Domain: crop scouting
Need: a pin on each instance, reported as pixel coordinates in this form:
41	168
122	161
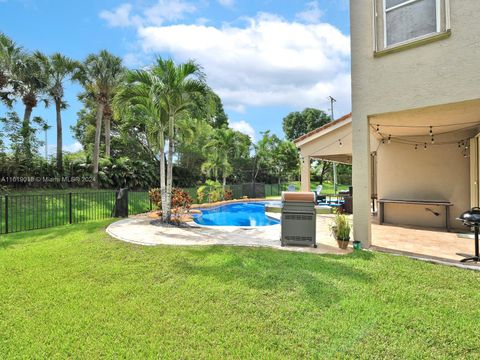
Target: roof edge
321	128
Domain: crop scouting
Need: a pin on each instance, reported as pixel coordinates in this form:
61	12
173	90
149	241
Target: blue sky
264	58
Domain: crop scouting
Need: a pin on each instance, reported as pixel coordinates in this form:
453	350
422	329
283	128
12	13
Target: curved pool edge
274	216
270	216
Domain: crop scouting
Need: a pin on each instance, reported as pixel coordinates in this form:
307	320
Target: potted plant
341	230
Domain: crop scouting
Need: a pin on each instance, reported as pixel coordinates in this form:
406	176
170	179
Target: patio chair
319	198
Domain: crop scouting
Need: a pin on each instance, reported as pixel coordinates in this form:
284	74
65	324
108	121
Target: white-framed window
406	20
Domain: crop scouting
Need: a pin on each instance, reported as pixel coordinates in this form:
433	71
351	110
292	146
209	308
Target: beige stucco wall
441	72
438	173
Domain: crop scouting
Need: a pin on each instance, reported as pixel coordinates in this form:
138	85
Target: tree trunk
96	148
26	132
107	119
163	191
224	183
167	213
59	137
325	168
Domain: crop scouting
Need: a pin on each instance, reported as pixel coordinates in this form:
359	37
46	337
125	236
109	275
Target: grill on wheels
298	218
471	219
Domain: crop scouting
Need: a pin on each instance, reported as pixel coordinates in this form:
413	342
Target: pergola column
305	172
361	179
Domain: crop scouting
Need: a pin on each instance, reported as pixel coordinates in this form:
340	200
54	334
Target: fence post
126	201
6	214
70	212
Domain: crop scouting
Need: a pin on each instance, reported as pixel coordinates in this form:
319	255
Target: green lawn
73	292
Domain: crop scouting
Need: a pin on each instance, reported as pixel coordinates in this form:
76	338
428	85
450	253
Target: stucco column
305	173
361	179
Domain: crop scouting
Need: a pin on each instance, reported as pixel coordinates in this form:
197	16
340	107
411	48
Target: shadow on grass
55	233
317	276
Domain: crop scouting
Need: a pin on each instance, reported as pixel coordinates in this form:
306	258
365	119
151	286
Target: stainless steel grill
298	218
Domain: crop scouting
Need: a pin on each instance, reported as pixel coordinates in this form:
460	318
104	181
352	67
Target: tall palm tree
141	97
222	147
100	74
57	67
10	56
31	83
180	83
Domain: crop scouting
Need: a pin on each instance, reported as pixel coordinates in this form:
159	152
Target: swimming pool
236	214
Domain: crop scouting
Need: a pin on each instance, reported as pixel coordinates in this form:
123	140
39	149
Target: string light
340	142
431	131
433	140
416	147
425	146
378	129
389	139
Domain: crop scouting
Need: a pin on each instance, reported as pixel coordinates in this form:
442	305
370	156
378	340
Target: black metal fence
38	211
23	212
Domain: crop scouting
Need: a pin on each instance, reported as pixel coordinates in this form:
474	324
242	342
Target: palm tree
57	67
222	147
31	82
100	75
45	128
179	85
10	55
141	97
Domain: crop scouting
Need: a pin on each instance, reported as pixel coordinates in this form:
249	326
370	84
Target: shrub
228	195
181	203
181	199
156	198
341	227
211	191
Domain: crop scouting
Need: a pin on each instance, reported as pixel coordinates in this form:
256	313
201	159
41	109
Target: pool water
236	214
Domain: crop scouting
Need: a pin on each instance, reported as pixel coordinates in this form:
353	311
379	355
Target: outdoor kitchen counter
446	204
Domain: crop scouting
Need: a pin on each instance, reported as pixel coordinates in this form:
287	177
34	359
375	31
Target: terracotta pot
342	244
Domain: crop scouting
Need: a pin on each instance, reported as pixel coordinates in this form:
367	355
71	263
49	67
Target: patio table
446	204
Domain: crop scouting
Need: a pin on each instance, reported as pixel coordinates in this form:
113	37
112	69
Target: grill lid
308	197
472	216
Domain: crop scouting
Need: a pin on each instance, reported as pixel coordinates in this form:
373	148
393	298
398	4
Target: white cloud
52	148
243	127
76	146
269	62
226	3
162	11
120	17
311	14
168	10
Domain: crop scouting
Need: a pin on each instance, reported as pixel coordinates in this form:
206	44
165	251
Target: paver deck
145	231
429	244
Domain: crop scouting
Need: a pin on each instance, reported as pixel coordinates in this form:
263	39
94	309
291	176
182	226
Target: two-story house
413	132
416	89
